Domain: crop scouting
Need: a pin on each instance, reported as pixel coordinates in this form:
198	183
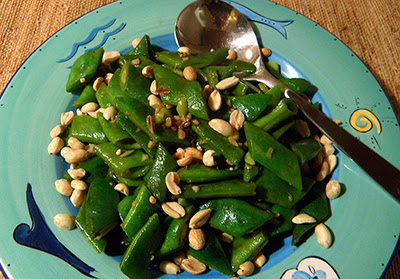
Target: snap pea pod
318	207
306	149
212	76
132	182
179	88
273	189
114	89
142	49
136	259
286	108
201	60
103	97
285	220
84	69
87	129
175	233
229	67
116	135
251	105
126	166
133	82
164	163
138	135
240	89
99	214
139	213
267	151
125	205
218	142
137	112
236	217
246	247
88	95
219	189
275	93
94	167
201	174
281	131
213	255
250	172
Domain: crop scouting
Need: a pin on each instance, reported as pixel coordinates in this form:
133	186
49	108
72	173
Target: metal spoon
213	24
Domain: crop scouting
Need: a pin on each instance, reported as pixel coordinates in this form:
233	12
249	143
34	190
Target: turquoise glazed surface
365	219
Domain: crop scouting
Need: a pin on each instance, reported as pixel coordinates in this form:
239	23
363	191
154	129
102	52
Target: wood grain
368	27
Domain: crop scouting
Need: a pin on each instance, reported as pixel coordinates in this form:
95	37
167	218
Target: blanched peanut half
226	237
236	119
64	221
111	56
194	153
328	149
63	187
89	107
190	73
108	77
232	54
302	128
332	189
208	158
185	161
266	52
184	51
172	180
215	101
227	83
74	143
77	197
154	101
324	236
75	155
122	188
148	71
179	256
246	269
193	266
200	218
153	87
259	260
303	218
67	117
97	83
323	172
136	42
197	239
55	145
56	131
222	127
78	184
168	267
325	140
77	173
110	113
173	209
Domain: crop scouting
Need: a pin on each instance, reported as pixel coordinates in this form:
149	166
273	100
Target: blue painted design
253	16
90	38
106	36
40	237
319	274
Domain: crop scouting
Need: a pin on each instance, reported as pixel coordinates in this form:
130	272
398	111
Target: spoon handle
373	164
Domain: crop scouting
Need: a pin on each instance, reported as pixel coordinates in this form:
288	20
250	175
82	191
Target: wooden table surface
368	27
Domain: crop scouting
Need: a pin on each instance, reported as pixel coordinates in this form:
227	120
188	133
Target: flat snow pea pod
122	165
250	172
240	89
246	247
270	153
305	149
175	233
114	88
142	49
219	189
132	182
276	95
138	135
285	109
201	60
133	82
115	134
99	214
212	76
251	105
285	219
95	168
103	97
298	85
136	259
201	174
236	217
137	112
87	129
125	205
84	69
140	211
88	95
179	88
273	189
231	66
218	142
213	255
163	164
318	207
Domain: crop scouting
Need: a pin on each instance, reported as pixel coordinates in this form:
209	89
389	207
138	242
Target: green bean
201	174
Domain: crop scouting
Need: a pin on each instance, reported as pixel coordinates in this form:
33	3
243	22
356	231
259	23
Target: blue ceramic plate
365	219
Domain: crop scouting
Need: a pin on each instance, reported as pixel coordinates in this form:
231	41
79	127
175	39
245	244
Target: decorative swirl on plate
40	237
106	36
363	120
253	16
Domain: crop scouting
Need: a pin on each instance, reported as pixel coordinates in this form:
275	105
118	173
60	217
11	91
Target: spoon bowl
211	24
